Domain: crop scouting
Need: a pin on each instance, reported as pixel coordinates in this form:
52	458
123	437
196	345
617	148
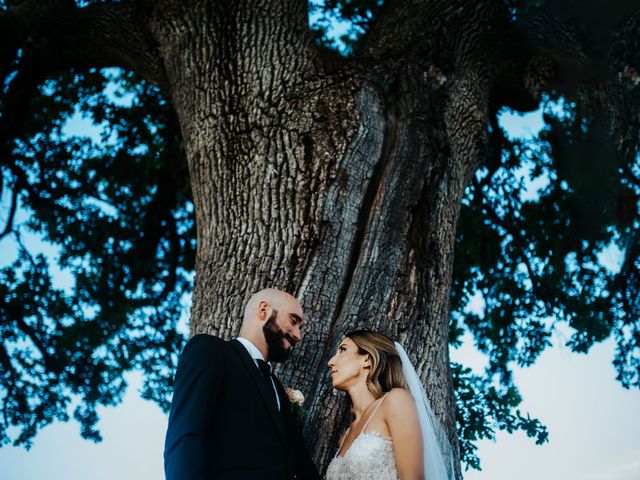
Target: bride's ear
367	362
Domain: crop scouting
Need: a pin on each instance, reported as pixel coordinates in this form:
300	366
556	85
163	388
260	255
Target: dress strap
373	413
346	434
342	440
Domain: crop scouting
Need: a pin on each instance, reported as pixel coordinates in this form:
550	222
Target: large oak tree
349	180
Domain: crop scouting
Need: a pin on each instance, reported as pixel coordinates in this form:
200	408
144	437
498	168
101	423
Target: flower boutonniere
297	401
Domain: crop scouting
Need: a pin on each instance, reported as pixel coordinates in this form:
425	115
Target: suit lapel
261	386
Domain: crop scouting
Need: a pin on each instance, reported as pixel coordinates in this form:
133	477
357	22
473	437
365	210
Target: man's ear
264	310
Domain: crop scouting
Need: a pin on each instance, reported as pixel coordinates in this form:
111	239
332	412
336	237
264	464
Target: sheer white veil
438	455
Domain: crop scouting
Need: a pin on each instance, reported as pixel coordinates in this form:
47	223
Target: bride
394	434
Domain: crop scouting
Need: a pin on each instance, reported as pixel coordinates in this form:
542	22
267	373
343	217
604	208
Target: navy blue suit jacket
223	422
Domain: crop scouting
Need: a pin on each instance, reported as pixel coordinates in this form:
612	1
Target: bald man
230	416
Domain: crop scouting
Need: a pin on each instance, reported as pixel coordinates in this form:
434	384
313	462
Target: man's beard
274	336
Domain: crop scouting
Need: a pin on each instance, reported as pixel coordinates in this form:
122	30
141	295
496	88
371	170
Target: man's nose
295	333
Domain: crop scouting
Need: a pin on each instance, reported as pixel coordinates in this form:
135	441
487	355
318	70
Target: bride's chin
341	387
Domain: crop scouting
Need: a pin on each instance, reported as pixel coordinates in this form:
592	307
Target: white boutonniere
297	401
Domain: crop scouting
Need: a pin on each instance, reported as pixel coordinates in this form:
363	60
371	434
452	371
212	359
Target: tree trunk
340	184
337	180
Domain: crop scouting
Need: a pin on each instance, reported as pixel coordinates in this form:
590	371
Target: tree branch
14	312
628	271
159	209
51	362
460	44
12	212
5	360
60	36
558	46
569	43
15	106
10	385
535	280
12	34
173	254
464	31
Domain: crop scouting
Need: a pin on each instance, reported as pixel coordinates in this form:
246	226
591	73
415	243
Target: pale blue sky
593	422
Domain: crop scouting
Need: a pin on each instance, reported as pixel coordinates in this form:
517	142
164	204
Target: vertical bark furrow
388	144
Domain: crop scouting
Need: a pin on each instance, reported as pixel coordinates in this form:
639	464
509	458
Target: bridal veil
438	454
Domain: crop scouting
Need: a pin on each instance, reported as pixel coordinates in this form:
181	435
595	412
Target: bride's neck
361	399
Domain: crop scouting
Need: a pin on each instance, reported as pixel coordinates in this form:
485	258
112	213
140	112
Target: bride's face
348	367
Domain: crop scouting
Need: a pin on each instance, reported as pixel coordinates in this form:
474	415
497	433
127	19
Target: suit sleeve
196	389
305	468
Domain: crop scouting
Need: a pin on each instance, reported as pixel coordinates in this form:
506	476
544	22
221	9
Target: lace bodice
370	457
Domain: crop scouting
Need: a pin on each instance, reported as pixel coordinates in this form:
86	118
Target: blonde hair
386	367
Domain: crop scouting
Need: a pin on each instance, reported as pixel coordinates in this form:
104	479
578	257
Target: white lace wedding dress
370	457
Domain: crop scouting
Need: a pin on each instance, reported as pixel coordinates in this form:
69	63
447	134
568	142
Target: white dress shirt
256	354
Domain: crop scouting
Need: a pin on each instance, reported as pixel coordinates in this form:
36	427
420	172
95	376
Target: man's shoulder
205	338
203	343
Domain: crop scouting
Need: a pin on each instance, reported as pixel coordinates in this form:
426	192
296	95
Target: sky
593	423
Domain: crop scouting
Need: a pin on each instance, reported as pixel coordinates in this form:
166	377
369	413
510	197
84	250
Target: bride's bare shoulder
400	414
398	400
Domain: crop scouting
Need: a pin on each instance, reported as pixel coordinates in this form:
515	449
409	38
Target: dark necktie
265	369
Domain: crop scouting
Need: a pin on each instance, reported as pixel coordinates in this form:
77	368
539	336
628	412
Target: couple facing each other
232	419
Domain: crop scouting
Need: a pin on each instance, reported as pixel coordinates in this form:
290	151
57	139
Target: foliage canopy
119	212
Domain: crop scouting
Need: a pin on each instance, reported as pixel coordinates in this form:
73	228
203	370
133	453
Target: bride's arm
402	419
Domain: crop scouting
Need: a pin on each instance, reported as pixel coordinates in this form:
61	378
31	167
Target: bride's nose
330	363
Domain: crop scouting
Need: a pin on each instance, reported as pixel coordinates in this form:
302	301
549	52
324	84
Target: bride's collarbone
379	426
376	426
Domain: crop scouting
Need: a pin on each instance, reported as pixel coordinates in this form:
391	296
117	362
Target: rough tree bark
338	180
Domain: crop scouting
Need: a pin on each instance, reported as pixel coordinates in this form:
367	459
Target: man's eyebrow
296	316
